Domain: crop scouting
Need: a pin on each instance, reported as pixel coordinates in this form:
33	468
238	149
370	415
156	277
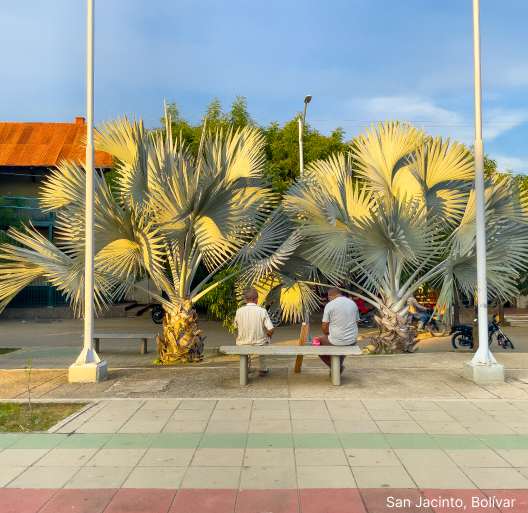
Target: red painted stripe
380	500
204	501
79	501
18	500
268	501
455	501
519	498
340	500
131	500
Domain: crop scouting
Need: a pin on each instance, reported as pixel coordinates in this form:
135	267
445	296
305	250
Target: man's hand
326	328
270	333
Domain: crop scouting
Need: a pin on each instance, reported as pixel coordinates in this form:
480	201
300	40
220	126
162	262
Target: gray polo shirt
342	314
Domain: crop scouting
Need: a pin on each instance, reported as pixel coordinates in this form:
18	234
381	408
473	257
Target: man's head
251	296
333	293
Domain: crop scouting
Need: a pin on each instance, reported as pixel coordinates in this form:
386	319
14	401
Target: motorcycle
157	313
366	317
434	325
463	335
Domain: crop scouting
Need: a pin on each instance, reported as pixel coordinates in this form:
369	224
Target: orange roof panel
45	145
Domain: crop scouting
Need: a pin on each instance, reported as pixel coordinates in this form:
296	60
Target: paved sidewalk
274	456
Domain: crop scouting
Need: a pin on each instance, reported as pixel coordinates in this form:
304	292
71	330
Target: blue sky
362	61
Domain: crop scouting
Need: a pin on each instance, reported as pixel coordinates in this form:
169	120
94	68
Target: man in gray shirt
340	323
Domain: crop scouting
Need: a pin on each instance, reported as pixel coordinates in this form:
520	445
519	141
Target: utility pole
88	367
307	100
483	368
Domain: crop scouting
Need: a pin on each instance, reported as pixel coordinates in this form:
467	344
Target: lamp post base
88	372
484	374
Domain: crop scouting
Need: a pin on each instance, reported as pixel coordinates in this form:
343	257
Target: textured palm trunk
181	340
395	334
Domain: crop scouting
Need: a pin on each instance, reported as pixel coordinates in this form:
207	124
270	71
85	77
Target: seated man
254	326
340	323
415	308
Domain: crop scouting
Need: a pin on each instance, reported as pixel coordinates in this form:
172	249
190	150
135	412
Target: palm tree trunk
395	334
181	340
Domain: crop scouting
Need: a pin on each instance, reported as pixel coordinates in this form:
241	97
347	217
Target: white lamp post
89	367
307	100
483	368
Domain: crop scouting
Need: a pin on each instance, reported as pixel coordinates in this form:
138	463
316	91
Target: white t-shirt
252	323
342	315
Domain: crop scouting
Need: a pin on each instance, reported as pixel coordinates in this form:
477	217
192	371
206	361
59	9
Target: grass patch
7	350
17	417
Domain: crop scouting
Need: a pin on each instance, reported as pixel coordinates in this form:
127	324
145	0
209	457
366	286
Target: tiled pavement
276	455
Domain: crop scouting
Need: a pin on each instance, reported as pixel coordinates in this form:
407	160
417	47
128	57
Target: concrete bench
333	351
144	337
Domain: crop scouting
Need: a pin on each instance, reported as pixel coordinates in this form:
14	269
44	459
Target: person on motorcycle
415	308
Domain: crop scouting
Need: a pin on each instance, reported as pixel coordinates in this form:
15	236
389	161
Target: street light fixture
307	100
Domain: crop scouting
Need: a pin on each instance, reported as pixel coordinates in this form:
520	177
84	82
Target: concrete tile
478	458
497	478
462	442
494	441
176	441
270	404
84	441
381	404
143	427
218	458
457	405
155	477
471	416
520	404
307	414
7	474
104	426
356	426
269	458
116	458
269	441
161	404
185	426
520	428
439	478
21	457
311	404
399	426
151	415
523	471
197	404
112	416
493	405
270	415
431	415
382	477
44	477
196	501
316	441
211	477
515	457
191	415
223	441
227	426
231	415
99	477
424	458
8	439
330	457
410	441
251	501
443	428
234	404
350	414
416	405
510	416
68	457
124	404
312	426
167	458
38	441
268	478
390	415
344	404
141	500
270	426
372	458
325	476
344	500
364	441
130	441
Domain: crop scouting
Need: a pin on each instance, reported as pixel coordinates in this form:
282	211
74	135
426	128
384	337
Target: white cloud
504	162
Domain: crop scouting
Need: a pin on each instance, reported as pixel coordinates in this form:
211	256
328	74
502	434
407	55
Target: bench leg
144	346
335	362
244	369
96	345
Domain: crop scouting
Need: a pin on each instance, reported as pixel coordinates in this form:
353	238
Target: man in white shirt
254	327
340	323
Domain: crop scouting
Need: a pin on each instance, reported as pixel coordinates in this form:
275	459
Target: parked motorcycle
157	313
366	317
463	335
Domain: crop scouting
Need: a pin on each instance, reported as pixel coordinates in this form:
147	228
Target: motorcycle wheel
275	319
437	329
506	342
455	341
157	315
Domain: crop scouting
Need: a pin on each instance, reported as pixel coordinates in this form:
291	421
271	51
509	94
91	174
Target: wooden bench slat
291	350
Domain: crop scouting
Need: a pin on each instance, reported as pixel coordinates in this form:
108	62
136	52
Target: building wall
19	184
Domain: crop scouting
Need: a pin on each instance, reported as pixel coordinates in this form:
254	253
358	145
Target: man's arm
268	325
326	328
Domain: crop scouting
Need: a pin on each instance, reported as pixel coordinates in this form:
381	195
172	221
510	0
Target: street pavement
276	455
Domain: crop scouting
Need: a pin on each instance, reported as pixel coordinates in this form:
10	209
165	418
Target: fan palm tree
169	213
401	215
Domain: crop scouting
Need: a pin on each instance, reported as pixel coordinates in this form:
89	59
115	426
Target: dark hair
251	295
334	291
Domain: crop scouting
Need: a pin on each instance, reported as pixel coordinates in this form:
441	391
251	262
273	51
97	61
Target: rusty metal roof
45	144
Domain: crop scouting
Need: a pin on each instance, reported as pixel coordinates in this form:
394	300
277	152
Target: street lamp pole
483	367
307	100
89	367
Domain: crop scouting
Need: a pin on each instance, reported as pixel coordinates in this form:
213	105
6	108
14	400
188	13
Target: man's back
342	315
252	323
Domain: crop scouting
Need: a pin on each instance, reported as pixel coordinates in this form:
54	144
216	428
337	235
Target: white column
88	366
483	368
301	154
